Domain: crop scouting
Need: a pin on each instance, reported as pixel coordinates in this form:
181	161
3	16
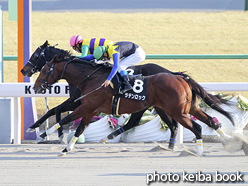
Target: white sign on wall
62	89
26	90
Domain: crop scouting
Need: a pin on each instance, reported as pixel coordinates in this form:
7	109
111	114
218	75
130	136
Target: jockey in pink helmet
87	46
75	40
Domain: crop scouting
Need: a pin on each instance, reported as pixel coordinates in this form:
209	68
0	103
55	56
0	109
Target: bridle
36	65
45	84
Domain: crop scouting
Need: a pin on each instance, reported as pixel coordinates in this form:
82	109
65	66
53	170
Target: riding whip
87	93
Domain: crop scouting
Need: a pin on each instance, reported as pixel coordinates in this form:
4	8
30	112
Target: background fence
175	56
17	90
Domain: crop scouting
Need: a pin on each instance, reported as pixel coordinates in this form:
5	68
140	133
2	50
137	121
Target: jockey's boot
126	84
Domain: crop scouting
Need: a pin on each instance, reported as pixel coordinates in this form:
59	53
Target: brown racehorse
170	92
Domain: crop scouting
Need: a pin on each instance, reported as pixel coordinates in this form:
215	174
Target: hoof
40	139
189	152
62	154
30	130
61	138
230	139
234	145
104	140
171	147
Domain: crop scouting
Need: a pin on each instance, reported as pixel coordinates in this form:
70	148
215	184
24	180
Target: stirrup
125	90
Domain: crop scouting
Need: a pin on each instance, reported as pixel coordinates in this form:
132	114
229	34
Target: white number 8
138	86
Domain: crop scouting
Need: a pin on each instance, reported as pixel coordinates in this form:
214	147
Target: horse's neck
82	76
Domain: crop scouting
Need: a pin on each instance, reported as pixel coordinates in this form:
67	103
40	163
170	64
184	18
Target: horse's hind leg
133	121
196	129
172	124
205	118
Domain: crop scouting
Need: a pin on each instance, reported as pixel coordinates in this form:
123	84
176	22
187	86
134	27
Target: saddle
138	92
137	82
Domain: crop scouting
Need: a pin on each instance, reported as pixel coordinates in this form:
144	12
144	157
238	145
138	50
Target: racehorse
45	52
172	93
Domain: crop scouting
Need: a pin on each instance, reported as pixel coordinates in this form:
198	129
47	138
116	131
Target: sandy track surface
113	164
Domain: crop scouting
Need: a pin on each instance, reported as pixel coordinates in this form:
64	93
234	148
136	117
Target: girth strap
115	104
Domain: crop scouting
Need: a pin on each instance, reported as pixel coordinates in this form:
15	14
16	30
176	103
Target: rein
88	93
44	84
65	68
88	76
47	85
83	81
84	78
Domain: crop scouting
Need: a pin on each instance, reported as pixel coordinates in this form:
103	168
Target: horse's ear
44	45
47	43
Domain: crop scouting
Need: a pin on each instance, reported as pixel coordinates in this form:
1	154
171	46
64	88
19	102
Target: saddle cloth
137	93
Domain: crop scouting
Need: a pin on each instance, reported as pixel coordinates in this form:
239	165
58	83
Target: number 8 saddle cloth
138	92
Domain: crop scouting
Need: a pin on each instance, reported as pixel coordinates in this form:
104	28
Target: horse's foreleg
172	124
58	111
68	105
133	121
62	122
83	124
41	120
48	132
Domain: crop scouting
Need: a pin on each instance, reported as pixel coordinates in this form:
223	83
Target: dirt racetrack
119	164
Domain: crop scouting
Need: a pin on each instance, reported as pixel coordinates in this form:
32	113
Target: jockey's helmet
75	39
99	52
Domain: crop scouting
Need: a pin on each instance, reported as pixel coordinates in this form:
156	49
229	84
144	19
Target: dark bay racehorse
172	93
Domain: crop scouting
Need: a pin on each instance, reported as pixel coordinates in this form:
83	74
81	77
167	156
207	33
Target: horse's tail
211	100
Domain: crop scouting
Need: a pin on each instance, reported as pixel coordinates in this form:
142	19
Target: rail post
246	5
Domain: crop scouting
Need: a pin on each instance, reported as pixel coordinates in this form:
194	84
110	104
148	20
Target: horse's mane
79	63
65	55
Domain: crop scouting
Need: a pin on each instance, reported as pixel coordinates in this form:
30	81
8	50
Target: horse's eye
36	56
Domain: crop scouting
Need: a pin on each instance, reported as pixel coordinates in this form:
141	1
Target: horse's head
46	77
36	61
39	58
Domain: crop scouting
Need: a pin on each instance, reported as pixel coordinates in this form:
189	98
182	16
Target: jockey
124	54
87	46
